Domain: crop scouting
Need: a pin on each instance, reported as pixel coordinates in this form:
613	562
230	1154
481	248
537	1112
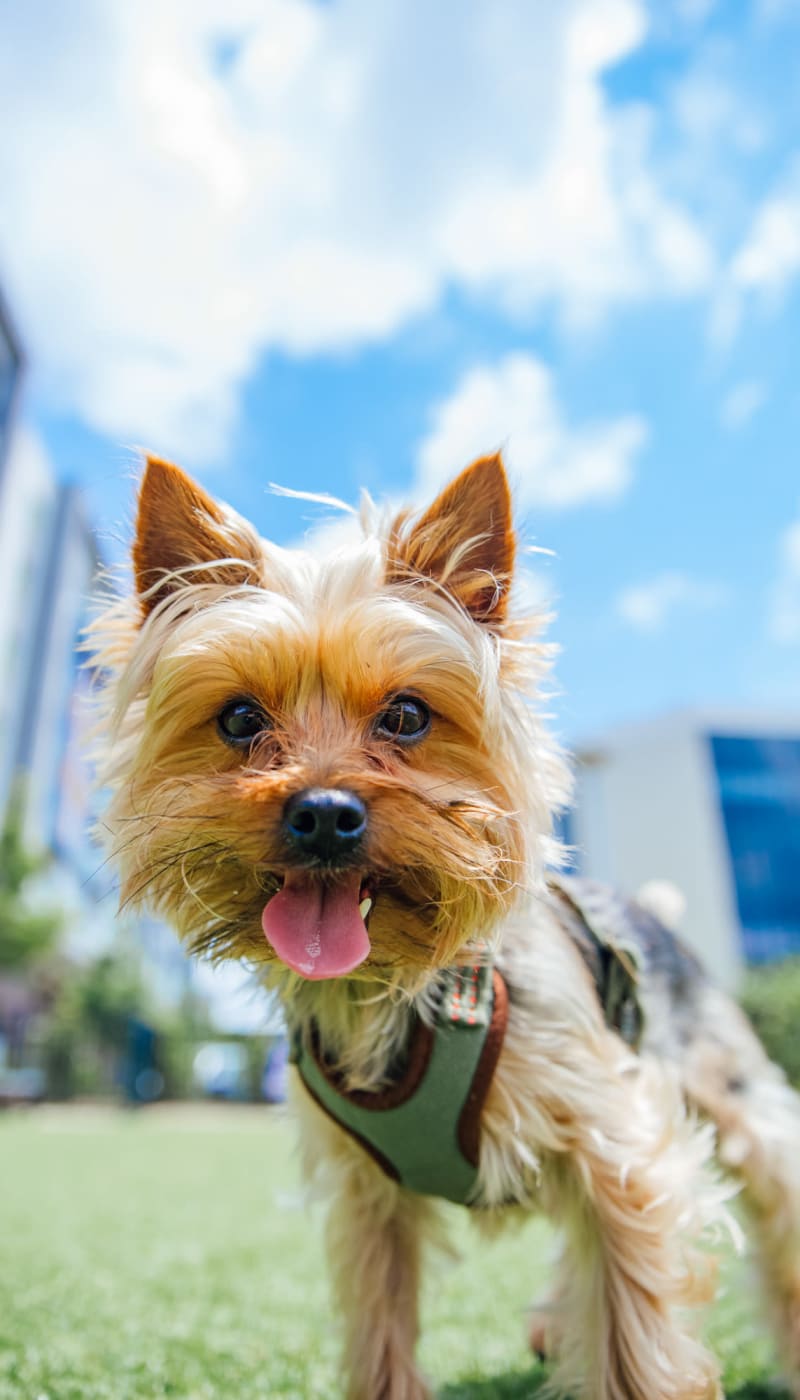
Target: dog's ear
183	537
464	541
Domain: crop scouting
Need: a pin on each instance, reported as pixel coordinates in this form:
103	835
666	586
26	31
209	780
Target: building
709	801
48	559
28	498
48	563
10	373
58	791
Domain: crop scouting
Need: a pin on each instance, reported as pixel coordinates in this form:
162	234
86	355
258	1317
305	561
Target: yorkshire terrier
334	769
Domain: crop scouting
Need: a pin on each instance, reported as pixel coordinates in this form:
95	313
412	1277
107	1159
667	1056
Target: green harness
424	1129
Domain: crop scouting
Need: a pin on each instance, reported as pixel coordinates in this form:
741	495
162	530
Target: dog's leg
631	1197
757	1116
771	1179
375	1235
545	1318
374	1239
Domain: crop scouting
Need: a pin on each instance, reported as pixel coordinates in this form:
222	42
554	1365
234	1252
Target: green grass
167	1254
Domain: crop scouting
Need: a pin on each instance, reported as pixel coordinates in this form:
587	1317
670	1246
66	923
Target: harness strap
601	926
424	1129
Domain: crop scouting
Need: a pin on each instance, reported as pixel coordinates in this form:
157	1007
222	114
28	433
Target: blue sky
350	245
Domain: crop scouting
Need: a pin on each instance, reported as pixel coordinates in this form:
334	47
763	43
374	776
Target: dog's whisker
160	868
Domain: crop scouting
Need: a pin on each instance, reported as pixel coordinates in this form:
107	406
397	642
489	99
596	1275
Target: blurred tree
111	993
25	933
182	1029
111	997
84	1038
88	1039
771	998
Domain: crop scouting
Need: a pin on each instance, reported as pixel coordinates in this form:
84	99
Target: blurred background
346	244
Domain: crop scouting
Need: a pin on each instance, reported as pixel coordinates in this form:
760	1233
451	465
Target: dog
335	770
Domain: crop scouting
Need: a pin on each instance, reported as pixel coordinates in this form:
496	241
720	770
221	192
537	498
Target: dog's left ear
465	541
183	536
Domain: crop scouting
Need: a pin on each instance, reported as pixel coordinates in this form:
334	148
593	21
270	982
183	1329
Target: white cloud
187	183
772	11
648	606
741	403
711	112
767	262
696	11
513	405
784	612
770	255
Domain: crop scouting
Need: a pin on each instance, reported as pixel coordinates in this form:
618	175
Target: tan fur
179	527
459	835
465	542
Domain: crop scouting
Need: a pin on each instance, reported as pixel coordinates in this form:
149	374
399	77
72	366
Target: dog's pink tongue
316	929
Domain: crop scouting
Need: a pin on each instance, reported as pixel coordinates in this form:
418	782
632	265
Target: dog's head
328	763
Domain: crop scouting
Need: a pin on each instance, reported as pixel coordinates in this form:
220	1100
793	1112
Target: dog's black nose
325	822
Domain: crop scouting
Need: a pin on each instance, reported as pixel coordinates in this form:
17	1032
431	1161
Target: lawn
167	1253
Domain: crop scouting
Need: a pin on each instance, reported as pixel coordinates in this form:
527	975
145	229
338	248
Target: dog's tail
665	901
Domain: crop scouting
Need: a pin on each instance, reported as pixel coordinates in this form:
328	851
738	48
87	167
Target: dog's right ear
184	537
465	541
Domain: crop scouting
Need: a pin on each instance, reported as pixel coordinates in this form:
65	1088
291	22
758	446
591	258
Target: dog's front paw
403	1384
407	1388
544	1331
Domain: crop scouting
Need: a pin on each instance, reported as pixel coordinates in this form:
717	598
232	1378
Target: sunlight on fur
337	770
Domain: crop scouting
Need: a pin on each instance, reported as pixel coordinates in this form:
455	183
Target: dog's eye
241	722
405	720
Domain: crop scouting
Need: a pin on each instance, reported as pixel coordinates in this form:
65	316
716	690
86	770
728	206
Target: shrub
771	998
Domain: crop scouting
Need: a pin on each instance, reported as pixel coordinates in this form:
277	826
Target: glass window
759	786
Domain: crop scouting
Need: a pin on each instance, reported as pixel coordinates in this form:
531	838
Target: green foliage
110	993
80	1034
85	1037
80	1040
181	1030
84	1040
25	934
771	998
58	1046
